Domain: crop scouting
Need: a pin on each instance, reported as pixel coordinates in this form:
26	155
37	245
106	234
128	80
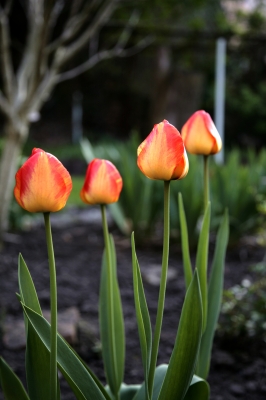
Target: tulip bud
42	183
103	183
200	134
162	155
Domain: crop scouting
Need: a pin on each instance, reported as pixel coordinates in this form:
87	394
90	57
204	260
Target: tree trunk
15	137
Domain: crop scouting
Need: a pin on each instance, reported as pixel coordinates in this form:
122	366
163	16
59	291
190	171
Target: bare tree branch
29	68
56	11
43	91
104	55
73	25
7	68
4	105
125	35
102	16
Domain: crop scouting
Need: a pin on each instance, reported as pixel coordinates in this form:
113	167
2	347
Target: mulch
238	364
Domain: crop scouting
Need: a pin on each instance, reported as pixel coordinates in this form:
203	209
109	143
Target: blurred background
107	71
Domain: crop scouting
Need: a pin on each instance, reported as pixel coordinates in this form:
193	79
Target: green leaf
111	323
78	377
11	384
202	261
198	390
142	314
38	367
184	242
126	392
159	376
119	217
37	355
87	150
26	287
215	291
184	356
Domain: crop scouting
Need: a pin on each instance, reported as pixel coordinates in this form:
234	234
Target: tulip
200	134
42	183
103	183
162	155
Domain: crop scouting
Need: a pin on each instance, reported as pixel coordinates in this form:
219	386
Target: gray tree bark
42	67
15	137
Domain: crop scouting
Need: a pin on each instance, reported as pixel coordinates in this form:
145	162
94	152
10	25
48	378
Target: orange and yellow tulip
103	183
42	183
162	155
200	134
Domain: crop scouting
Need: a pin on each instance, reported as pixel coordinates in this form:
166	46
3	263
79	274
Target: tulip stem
160	308
206	181
53	306
110	286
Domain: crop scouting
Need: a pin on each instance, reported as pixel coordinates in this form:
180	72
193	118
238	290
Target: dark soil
238	365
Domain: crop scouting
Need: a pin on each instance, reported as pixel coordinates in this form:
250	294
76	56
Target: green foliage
12	386
238	185
243	311
111	320
215	290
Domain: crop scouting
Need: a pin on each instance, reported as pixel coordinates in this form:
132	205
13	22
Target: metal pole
220	93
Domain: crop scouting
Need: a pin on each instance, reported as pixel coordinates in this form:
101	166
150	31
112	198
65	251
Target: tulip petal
42	183
103	183
162	154
200	134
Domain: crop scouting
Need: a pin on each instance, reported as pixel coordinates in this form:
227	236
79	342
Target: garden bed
238	364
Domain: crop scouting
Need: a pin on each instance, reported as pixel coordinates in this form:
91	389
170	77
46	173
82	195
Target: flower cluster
43	185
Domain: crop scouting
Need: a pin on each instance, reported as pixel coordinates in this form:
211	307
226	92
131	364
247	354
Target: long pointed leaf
26	287
112	324
184	356
119	217
37	355
77	376
184	242
214	297
159	376
202	261
11	384
142	314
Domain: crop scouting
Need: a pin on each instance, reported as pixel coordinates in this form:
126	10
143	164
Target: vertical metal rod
220	74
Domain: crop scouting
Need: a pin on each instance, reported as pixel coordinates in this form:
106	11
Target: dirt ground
238	366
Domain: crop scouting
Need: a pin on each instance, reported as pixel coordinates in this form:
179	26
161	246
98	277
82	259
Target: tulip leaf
37	355
184	242
78	377
26	287
215	291
12	387
111	323
142	314
198	390
184	356
202	261
126	392
159	376
119	217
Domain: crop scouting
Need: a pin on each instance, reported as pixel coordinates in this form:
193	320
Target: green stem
110	285
206	182
53	306
160	308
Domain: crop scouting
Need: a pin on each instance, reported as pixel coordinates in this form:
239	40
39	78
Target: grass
74	198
